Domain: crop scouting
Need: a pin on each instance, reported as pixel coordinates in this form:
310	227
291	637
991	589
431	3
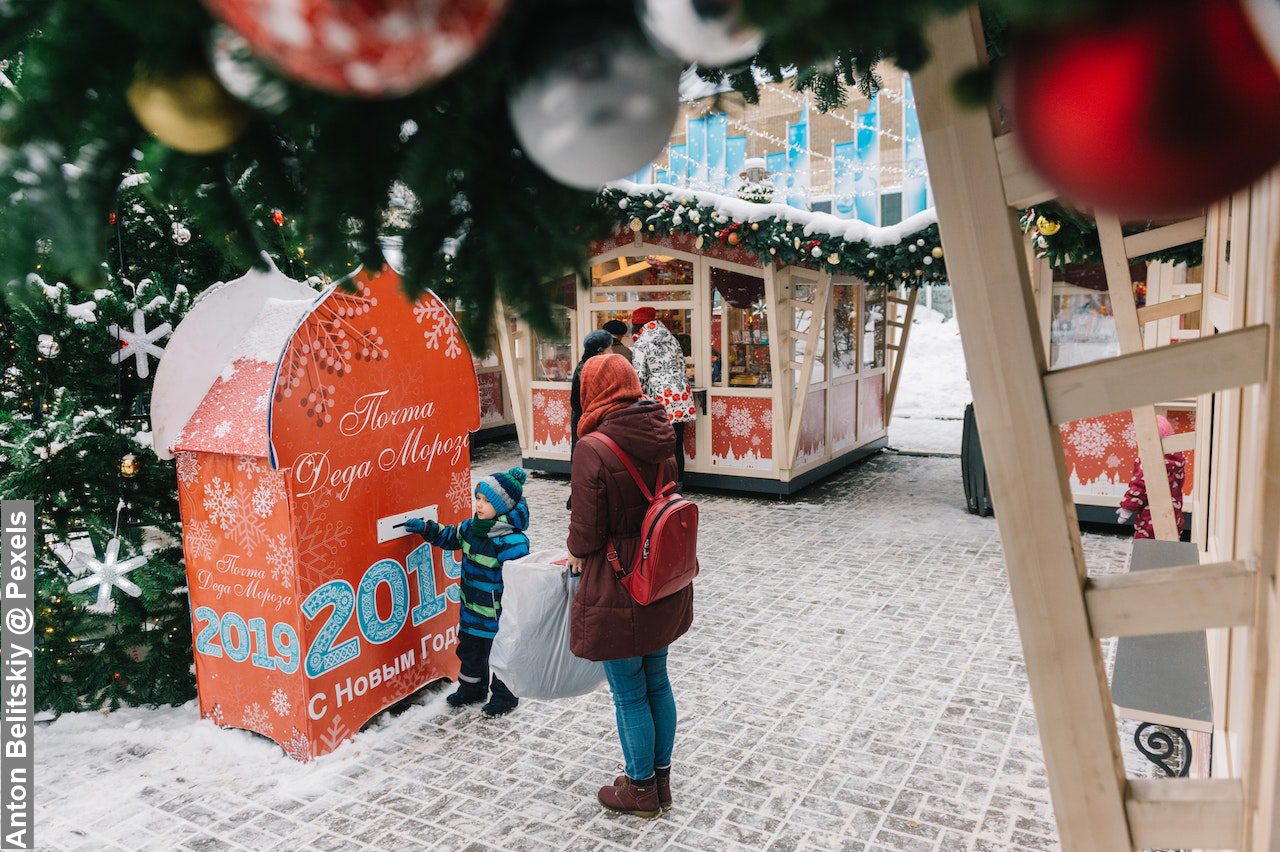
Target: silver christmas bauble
598	110
708	32
47	346
181	233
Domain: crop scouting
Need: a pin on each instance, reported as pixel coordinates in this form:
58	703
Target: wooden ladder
978	182
901	311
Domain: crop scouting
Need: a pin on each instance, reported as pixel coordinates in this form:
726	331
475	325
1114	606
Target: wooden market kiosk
782	400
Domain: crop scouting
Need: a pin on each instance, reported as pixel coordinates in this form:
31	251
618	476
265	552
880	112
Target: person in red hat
659	363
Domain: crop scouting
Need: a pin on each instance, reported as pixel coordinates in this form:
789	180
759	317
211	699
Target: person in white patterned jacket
659	363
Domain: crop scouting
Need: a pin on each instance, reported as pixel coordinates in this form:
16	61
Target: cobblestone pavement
853	681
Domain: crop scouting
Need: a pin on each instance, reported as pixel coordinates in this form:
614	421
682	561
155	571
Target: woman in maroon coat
607	624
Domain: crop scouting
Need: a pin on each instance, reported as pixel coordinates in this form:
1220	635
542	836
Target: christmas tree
74	435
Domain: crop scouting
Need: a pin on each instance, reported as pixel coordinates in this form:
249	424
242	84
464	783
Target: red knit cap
640	316
608	384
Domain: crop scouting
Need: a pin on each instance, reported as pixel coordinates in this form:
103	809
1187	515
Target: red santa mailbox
307	427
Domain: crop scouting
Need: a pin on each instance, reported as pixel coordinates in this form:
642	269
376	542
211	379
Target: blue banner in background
777	165
798	161
844	179
696	139
644	175
717	129
679	164
866	177
735	154
915	183
664	176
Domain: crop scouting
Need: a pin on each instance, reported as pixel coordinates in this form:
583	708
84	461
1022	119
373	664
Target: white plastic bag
531	651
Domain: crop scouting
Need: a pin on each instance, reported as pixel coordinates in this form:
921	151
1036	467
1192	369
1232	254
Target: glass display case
554	357
874	307
739	330
844	329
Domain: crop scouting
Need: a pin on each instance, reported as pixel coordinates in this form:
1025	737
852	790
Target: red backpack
667	559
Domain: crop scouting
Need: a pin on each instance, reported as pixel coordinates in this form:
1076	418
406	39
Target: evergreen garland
1064	235
782	235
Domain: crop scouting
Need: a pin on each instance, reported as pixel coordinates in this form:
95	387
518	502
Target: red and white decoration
551	421
370	48
742	432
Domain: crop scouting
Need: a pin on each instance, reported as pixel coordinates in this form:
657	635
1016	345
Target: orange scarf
608	384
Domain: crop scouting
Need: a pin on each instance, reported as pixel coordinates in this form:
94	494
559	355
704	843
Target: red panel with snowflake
1100	452
742	432
551	420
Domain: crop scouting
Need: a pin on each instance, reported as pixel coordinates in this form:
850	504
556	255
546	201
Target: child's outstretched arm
444	537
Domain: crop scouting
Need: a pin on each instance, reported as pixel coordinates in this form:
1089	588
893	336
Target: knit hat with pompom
503	489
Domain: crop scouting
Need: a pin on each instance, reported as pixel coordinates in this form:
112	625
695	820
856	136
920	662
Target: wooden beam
622	271
1170	308
1231	360
1023	186
1200	813
900	356
512	369
1124	308
1182	442
1023	449
819	308
1170	236
1171	600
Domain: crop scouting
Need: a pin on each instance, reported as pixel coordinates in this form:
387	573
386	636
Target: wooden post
513	370
1005	356
1145	426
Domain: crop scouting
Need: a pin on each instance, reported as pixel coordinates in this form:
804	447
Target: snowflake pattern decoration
105	572
327	346
199	538
139	343
188	468
441	330
459	493
557	412
280	703
741	422
280	558
255	718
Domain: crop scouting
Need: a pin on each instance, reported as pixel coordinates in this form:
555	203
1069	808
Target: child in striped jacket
495	535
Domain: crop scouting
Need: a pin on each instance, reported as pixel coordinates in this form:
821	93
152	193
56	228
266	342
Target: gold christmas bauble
755	226
1048	227
636	224
937	252
833	259
188	111
734	239
129	465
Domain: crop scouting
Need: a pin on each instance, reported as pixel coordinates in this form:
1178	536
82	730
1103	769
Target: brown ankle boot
631	798
663	777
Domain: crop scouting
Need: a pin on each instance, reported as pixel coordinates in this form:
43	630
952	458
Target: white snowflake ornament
105	573
139	343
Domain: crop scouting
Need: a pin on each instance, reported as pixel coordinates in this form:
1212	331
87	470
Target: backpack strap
627	463
611	554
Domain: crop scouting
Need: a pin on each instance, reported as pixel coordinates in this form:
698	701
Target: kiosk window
739	330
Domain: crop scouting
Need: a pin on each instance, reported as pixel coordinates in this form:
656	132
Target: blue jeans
646	711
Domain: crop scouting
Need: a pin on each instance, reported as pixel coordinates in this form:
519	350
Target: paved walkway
853	681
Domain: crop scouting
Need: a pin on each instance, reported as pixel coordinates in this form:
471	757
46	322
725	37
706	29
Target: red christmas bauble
1157	112
368	48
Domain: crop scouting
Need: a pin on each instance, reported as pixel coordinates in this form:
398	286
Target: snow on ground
934	389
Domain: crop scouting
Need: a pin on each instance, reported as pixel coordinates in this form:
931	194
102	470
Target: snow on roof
850	230
220	362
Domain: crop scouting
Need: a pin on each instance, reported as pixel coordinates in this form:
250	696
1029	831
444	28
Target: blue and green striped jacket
482	559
